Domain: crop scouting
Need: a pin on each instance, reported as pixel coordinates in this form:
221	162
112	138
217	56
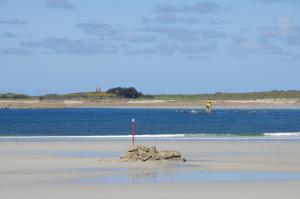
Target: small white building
98	90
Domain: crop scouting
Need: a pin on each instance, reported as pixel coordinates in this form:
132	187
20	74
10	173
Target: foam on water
267	136
283	134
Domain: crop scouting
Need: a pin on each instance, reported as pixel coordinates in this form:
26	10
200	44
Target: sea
149	123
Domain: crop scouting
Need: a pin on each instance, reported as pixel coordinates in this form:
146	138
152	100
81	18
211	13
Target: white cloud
72	46
284	25
246	47
109	32
98	28
61	4
15	51
13	22
169	19
202	7
284	30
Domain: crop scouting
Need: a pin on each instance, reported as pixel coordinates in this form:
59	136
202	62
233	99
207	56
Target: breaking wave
278	135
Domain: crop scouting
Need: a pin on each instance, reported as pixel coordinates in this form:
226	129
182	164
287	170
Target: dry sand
74	169
123	103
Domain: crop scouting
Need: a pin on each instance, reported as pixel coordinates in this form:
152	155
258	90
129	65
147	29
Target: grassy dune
234	96
88	95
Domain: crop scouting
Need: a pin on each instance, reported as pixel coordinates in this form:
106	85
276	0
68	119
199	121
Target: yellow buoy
208	106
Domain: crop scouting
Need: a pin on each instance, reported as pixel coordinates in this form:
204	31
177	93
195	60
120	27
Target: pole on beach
132	130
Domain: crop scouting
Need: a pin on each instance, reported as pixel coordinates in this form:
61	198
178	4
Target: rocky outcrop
143	153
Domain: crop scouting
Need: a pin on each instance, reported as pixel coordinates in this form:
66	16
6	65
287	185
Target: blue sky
157	46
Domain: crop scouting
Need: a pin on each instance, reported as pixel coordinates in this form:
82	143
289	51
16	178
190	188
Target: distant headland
124	97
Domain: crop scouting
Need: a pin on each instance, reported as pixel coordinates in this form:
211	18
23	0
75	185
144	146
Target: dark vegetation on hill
113	93
132	93
13	96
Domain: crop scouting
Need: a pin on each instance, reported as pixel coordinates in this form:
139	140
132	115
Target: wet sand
90	168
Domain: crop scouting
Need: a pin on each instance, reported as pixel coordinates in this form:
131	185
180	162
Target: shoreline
161	137
152	104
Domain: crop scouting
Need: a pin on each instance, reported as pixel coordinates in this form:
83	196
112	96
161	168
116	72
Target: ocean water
149	122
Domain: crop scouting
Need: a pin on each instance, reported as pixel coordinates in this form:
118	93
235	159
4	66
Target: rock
145	158
169	154
143	153
143	148
152	150
132	148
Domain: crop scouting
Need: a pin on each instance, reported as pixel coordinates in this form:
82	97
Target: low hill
82	95
234	96
121	93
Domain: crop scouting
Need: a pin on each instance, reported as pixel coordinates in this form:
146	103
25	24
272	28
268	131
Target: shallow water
85	154
189	176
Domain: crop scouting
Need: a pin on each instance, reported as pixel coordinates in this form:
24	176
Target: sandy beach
90	168
193	99
125	103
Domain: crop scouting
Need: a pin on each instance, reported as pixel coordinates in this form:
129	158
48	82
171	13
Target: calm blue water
50	122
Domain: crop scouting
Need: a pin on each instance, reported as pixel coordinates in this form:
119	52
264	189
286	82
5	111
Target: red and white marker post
132	130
